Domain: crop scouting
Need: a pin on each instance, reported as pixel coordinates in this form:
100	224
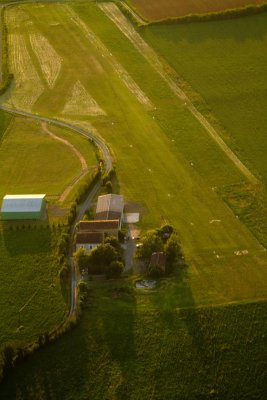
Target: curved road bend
86	204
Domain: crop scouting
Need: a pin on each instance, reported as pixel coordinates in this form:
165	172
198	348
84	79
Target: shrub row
12	355
130	15
220	15
87	186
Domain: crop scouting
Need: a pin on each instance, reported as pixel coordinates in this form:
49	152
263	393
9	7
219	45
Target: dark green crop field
126	347
31	301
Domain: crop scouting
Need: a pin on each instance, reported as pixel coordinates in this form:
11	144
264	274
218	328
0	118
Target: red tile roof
89	238
99	225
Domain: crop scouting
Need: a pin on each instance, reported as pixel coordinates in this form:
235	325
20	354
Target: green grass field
30	297
38	167
169	166
122	350
224	62
162	180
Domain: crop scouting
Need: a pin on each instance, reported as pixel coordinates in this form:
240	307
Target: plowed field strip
173	8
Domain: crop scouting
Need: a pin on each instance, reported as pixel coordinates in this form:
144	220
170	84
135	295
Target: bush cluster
87	186
13	355
163	240
106	259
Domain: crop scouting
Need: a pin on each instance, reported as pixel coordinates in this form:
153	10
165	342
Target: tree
113	241
100	258
173	250
81	258
154	271
151	243
109	187
8	359
114	270
88	214
165	232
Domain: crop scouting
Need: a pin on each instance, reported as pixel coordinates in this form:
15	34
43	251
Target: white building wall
87	246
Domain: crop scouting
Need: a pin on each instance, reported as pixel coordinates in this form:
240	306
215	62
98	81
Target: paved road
88	201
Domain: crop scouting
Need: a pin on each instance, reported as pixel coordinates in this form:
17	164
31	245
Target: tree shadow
117	322
26	239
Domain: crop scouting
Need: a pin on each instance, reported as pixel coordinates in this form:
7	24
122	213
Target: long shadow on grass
177	308
27	241
116	330
241	30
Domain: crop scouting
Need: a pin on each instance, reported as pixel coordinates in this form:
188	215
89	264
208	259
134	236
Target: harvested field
122	73
162	9
81	103
49	60
26	76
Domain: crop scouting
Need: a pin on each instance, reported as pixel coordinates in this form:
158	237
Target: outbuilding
23	207
110	207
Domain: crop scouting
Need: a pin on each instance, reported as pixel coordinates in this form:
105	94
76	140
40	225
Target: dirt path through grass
163	69
83	162
74	150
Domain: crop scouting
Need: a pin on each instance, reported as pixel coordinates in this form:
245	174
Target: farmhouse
158	260
89	240
110	207
106	228
24	206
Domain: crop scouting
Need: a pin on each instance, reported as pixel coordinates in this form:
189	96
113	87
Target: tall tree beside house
81	257
113	241
151	243
173	251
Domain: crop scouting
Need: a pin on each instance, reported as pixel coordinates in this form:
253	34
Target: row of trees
105	259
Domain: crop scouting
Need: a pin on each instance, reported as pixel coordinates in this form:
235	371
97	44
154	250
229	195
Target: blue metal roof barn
23	206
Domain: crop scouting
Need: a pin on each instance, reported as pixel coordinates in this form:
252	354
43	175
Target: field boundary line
161	67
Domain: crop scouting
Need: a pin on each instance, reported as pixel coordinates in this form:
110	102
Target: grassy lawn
38	167
30	283
132	344
120	350
170	180
225	62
